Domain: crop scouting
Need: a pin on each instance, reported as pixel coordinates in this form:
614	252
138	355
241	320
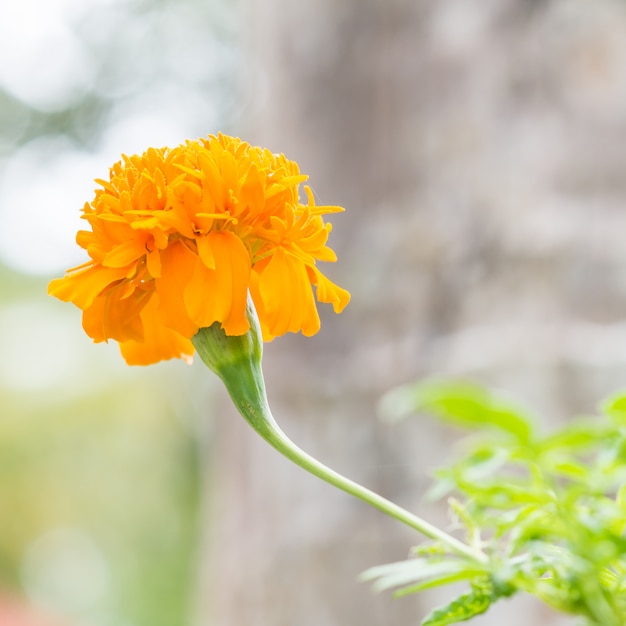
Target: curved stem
237	361
277	438
255	409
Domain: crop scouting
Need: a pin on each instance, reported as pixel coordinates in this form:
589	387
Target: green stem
248	394
237	361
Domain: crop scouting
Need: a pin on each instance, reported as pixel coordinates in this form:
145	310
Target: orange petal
153	263
252	194
255	293
83	287
219	295
125	253
177	265
110	317
327	291
159	342
205	252
287	296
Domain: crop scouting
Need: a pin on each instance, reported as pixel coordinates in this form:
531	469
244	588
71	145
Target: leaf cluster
548	511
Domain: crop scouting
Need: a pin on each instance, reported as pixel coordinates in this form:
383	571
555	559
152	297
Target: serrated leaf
461	403
461	609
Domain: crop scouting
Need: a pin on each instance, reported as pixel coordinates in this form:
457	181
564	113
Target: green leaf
420	569
435	582
615	407
576	436
443	485
549	511
465	518
460	609
513	519
570	469
429	549
499	495
460	403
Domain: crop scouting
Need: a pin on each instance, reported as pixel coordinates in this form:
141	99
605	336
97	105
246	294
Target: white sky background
161	71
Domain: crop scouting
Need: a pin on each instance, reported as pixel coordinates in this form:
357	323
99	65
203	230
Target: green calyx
221	352
236	359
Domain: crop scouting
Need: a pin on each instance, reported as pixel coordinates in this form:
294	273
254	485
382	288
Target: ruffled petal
287	296
125	253
219	295
159	342
83	287
328	291
153	263
257	299
177	266
205	252
113	316
178	237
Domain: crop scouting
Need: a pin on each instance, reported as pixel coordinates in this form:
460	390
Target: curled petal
327	291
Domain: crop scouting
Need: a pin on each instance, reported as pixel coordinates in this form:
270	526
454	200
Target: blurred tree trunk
287	549
459	135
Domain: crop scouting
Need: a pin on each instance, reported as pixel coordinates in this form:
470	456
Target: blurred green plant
549	511
100	484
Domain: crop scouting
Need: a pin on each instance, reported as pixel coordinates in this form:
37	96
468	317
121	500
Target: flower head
177	239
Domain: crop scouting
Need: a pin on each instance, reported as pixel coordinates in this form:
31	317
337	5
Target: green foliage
466	606
548	511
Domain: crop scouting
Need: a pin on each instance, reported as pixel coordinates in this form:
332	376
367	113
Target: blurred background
479	147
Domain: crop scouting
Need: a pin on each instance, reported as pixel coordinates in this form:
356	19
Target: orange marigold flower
178	239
